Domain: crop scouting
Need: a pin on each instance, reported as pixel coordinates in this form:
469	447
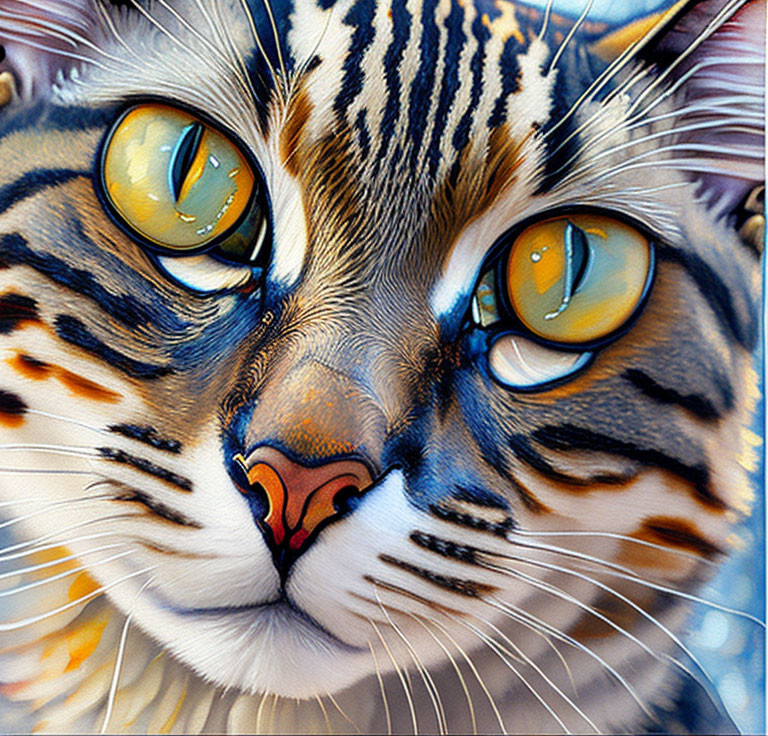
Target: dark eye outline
511	324
154	249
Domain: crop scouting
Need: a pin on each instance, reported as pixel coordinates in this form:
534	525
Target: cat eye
182	187
572	280
562	287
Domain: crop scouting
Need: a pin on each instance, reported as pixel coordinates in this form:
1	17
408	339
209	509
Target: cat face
339	432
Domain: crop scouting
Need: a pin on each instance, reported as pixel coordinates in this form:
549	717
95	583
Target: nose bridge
315	412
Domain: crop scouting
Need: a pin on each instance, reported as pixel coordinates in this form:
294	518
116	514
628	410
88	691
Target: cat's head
367	328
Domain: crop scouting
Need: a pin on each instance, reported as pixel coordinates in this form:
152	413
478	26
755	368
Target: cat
372	366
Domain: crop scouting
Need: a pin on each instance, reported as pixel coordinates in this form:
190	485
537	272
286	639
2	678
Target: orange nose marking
297	512
265	476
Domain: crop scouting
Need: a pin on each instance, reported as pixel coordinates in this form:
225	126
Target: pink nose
300	499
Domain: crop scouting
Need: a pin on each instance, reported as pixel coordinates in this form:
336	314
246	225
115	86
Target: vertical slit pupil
579	256
183	156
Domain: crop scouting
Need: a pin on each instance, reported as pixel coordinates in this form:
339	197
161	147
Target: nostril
347	499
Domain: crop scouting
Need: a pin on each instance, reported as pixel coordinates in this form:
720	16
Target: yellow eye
577	278
181	185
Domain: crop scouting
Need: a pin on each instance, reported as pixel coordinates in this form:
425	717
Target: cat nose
298	500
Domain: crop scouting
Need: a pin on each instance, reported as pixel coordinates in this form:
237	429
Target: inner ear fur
40	38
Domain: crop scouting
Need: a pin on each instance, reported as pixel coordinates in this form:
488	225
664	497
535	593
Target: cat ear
711	54
39	37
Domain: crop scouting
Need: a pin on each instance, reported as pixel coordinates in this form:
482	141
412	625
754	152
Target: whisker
719	19
547	15
406	688
119	659
571	34
382	689
257	39
592	158
456	669
429	683
73	450
52	30
475	672
626	573
59	560
517	614
342	713
56	504
46	471
15	625
278	45
499	651
226	63
68	420
260	711
9	552
61	575
325	714
607	535
538	669
593	611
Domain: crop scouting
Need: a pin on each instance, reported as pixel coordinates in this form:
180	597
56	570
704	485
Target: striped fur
516	564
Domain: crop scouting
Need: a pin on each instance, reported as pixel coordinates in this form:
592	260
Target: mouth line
281	603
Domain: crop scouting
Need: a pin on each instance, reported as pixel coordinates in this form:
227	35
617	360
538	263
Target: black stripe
571	437
12	404
34	182
74	331
147	435
524	451
510	81
14	309
716	293
697	404
445	548
131	495
449	85
423	81
455	585
146	466
476	67
480	497
360	16
127	309
401	25
446	513
44	117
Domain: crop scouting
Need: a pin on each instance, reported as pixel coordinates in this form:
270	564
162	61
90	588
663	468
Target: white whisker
571	34
382	689
593	611
626	573
59	560
517	614
60	576
475	672
15	625
398	670
119	659
456	669
429	683
499	651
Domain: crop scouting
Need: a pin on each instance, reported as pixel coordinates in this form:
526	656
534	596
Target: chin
272	648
